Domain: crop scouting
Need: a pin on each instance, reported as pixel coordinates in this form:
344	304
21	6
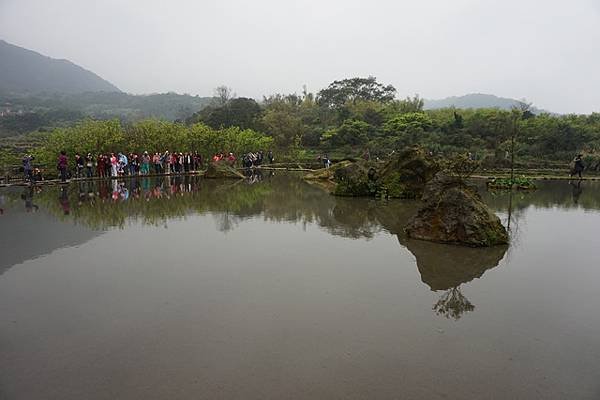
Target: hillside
23	114
24	71
475	100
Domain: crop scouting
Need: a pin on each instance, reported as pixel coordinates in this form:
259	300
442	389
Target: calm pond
271	289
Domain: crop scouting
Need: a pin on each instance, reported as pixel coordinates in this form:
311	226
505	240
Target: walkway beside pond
21	182
297	167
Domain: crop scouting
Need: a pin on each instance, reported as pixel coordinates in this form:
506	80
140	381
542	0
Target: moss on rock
355	179
403	176
406	174
453	212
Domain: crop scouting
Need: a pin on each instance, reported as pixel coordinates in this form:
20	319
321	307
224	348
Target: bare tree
223	94
523	105
520	111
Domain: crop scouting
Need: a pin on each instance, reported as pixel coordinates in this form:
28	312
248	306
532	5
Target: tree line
112	136
347	119
351	116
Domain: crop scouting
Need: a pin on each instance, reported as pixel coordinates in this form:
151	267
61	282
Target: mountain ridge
477	100
24	71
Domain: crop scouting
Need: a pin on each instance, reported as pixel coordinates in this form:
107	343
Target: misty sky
547	51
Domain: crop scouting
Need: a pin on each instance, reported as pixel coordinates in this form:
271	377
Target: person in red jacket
231	159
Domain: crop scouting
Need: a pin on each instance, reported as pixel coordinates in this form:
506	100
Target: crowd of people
132	164
121	164
105	165
248	160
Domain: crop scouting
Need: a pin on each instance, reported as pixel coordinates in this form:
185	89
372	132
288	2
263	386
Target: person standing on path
167	162
122	164
578	166
89	165
79	164
114	163
63	165
101	165
145	168
157	163
28	168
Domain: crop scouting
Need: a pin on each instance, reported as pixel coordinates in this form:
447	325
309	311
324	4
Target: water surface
270	288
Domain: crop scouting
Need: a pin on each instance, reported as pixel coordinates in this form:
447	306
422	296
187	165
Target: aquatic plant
518	182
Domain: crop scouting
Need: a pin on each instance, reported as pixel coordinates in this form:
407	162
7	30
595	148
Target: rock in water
406	174
453	212
356	179
403	176
222	170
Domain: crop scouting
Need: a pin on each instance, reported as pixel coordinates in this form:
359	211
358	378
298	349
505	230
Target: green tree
338	93
155	135
408	105
352	132
242	112
88	136
410	122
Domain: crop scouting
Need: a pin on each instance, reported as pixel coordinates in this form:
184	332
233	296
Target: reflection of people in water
576	191
124	192
115	190
103	191
81	193
63	199
120	190
254	175
27	197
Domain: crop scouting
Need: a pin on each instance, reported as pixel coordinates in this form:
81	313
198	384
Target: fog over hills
475	100
65	85
23	71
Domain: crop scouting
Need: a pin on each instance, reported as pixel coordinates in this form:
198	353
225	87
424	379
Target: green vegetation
351	118
91	136
518	182
43	112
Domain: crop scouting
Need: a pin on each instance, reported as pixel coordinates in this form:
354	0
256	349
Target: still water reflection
269	288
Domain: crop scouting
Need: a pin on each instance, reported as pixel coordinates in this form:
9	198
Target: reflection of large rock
405	175
222	170
454	213
443	266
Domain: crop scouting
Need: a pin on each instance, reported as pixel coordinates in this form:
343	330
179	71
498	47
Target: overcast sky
547	51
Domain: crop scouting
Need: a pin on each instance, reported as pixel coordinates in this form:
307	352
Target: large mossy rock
406	174
356	179
220	170
453	212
